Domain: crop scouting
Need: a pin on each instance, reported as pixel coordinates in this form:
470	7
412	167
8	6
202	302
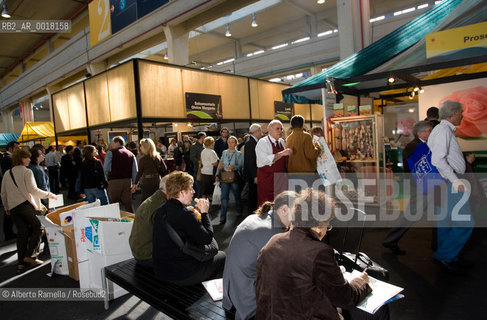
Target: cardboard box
96	263
57	245
109	236
82	241
58	240
72	258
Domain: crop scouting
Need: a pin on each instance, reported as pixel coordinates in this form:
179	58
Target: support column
27	112
8	121
177	45
353	26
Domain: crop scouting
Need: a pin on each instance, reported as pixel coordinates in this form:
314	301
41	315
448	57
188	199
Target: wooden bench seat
178	302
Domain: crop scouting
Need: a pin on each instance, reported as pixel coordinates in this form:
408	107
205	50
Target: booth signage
203	106
463	41
100	24
283	111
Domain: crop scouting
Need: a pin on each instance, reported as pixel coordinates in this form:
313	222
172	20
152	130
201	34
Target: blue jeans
455	228
226	187
94	193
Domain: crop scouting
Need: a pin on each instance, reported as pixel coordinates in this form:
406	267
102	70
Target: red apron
267	185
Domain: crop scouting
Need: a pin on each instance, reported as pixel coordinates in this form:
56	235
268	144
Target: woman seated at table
170	262
297	275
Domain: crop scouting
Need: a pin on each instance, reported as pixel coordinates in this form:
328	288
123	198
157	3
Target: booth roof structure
402	55
5	138
35	130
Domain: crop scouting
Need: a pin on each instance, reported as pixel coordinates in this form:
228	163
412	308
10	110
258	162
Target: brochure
214	288
382	293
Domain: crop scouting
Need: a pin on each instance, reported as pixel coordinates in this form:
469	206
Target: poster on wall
399	121
113	134
203	106
283	111
472	94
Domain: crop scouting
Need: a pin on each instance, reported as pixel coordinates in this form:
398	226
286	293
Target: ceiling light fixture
320	1
421	90
5	12
254	22
165	55
391	80
416	89
228	34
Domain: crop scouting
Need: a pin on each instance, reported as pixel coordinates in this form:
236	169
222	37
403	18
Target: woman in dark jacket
151	169
93	181
41	177
193	225
297	275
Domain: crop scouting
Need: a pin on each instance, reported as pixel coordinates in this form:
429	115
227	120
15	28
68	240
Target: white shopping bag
217	194
326	165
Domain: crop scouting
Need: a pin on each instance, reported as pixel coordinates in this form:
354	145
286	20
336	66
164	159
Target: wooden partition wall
69	109
111	96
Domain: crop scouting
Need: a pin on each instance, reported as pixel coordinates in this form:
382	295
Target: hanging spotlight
320	1
391	80
421	90
416	89
5	12
165	55
228	34
411	96
254	22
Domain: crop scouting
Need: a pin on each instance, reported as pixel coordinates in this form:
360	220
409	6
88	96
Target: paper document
59	202
382	293
214	288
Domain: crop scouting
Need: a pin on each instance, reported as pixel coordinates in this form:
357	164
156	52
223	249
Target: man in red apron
271	163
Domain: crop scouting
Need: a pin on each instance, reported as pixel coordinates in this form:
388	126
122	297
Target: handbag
227	176
199	252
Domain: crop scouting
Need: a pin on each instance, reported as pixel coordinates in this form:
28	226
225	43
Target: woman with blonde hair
193	225
21	200
151	169
231	162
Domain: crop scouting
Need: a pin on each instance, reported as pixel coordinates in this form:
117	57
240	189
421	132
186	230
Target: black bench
178	302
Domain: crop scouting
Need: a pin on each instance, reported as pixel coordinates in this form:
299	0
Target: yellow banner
449	41
100	25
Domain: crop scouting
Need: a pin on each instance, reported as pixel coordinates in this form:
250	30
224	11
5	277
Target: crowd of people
176	239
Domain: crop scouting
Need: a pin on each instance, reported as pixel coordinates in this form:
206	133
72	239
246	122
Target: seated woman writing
190	225
297	275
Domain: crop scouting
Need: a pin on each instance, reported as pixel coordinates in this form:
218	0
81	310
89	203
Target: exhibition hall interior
251	159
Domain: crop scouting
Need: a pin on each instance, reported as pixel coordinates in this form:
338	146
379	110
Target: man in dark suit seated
421	131
250	165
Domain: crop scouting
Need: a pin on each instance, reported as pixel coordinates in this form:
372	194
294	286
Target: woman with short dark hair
21	199
297	275
93	181
191	225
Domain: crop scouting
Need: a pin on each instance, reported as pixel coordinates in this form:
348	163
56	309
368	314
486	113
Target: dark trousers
28	229
8	227
119	190
252	197
209	270
53	173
